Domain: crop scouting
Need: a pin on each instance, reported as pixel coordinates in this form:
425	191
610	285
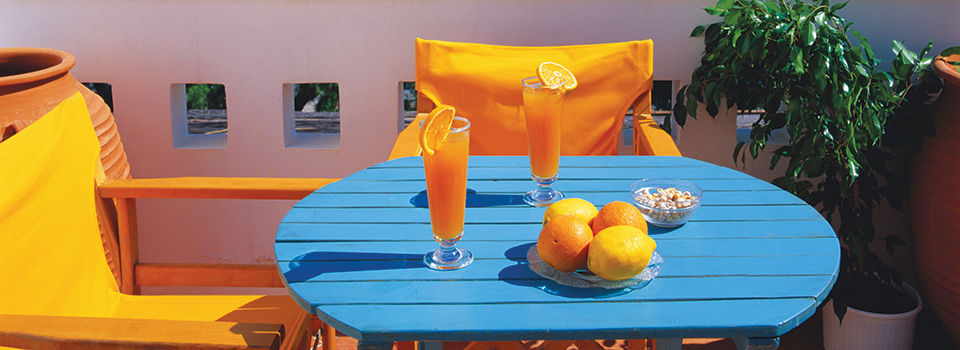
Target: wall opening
311	115
199	115
104	90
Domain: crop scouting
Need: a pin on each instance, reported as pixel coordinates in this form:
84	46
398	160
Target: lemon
582	209
620	252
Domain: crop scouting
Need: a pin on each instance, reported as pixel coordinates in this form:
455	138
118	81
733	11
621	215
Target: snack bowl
666	202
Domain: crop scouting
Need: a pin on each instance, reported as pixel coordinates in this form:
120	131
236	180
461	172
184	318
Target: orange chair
59	240
58	289
483	83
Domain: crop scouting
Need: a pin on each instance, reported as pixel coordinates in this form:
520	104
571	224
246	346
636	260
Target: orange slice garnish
435	128
553	74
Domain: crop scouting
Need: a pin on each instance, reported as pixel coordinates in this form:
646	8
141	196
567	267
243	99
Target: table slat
298	232
342	250
516	269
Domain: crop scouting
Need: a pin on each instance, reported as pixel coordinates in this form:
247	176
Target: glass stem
544	186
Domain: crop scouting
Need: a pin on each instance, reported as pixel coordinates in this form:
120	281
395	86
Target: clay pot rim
947	72
67	62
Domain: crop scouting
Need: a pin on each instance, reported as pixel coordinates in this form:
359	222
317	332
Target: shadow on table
313	264
475	200
521	275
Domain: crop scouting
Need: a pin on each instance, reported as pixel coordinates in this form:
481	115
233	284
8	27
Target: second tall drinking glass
446	175
543	108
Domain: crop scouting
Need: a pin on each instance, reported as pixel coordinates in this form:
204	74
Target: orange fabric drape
483	83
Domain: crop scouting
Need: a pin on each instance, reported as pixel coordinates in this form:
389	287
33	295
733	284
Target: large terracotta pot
34	80
935	205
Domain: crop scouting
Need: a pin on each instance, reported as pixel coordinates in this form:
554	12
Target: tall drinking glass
543	107
446	174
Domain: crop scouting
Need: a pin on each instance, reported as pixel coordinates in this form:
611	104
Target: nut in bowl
666	202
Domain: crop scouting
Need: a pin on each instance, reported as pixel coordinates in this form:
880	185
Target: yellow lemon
580	208
620	252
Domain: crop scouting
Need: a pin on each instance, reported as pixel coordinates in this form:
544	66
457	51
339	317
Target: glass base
440	259
544	195
448	256
539	198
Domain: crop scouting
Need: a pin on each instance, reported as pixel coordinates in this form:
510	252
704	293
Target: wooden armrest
56	332
408	142
649	139
208	275
212	188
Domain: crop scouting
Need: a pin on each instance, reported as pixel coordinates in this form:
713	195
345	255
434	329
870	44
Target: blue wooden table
753	263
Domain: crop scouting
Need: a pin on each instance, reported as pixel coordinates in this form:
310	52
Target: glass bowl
666	212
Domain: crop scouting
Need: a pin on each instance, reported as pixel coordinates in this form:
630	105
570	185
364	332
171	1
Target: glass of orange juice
543	108
446	175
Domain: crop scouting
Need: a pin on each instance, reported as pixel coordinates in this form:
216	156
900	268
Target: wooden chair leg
328	336
637	344
406	345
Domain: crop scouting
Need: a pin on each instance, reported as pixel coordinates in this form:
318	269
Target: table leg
757	343
375	345
669	343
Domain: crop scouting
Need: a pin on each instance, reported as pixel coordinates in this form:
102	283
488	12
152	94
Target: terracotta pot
935	205
34	80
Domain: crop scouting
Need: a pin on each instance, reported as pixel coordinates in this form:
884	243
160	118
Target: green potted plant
849	121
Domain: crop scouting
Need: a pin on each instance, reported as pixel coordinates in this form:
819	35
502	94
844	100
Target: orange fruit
554	74
436	127
619	213
620	252
563	243
571	206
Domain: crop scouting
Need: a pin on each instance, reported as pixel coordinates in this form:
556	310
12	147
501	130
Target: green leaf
862	71
725	4
796	59
809	33
873	125
867	50
736	151
692	107
698	31
819	18
897	47
836	7
954	50
731	19
715	11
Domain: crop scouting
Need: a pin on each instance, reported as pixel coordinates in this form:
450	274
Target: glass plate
583	278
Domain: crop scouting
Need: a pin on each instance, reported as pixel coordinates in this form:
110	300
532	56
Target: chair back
483	83
53	259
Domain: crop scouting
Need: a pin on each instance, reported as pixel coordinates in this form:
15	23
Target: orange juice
446	173
543	109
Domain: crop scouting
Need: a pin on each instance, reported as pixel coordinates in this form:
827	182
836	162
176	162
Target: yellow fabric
483	83
52	260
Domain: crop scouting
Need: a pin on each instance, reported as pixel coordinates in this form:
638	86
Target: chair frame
119	231
648	137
